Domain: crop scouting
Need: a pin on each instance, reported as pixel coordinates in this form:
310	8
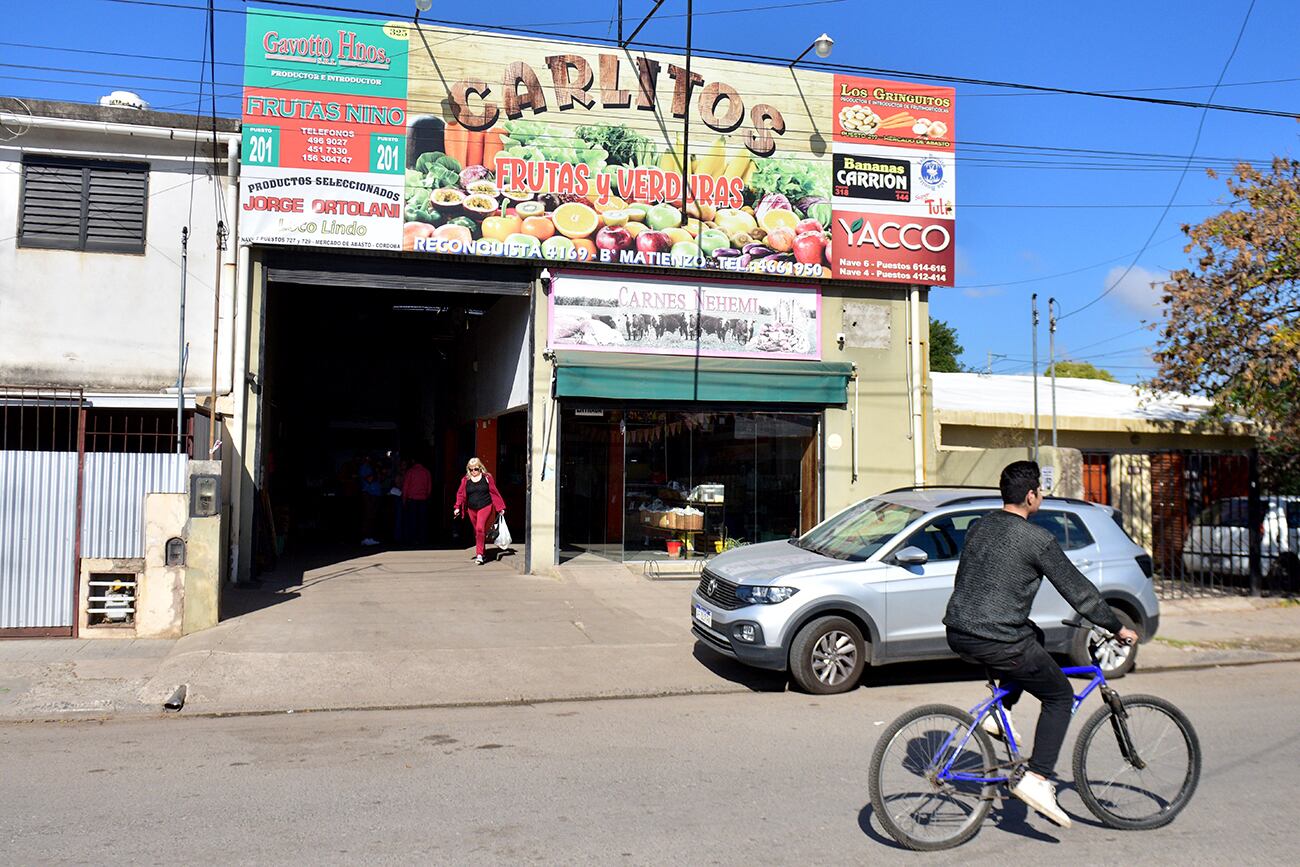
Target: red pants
481	519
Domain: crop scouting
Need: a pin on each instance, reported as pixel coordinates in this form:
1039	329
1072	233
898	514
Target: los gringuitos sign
372	135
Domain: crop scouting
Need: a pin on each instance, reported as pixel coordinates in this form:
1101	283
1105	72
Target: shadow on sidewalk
298	573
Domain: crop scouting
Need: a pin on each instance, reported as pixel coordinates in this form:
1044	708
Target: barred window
91	205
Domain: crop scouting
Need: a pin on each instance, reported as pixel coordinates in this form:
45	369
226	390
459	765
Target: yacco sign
894	182
374	135
670	317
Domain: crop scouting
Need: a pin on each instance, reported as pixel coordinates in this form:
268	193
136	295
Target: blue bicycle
934	773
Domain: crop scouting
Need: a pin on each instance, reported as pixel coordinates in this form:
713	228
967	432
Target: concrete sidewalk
403	629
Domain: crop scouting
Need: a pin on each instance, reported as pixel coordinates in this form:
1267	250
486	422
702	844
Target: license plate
704	615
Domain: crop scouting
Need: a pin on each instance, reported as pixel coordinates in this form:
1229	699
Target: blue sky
1059	224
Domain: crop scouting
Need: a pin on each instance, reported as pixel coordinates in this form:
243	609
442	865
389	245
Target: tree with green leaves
1080	370
1232	320
944	348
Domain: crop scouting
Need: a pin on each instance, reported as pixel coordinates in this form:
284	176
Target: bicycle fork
1119	722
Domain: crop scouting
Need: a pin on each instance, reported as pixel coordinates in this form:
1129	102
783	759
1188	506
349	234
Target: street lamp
821	45
421	6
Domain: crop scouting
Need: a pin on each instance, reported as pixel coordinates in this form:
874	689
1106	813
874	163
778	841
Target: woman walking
479	498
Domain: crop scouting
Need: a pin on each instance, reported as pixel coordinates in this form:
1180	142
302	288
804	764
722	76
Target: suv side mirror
911	556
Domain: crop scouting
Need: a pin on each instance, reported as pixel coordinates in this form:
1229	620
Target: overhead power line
825	66
1200	127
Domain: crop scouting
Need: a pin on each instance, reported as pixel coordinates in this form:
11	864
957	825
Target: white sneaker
1041	795
991	728
367	542
478	559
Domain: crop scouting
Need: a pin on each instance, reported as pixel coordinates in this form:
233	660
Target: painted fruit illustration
779	219
411	231
540	228
780	239
453	232
575	220
809	247
712	240
614	238
499	228
519	239
663	217
654	241
557	247
685	251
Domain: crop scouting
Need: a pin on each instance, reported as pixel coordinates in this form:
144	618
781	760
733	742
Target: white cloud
965	268
986	292
1135	291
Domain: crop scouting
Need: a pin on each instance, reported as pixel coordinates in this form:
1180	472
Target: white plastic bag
503	533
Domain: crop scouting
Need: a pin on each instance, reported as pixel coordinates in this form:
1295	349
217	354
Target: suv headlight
764	595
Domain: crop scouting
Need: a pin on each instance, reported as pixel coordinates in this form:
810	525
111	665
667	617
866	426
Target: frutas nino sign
371	135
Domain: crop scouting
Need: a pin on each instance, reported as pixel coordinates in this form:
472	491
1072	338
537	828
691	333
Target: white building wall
110	320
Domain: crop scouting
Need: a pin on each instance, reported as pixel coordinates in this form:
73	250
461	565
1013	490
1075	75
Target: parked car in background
870	585
1218	541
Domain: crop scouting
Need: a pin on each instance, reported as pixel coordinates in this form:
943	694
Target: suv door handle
1083	564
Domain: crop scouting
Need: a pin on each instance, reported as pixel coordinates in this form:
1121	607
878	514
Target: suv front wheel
827	656
1091	647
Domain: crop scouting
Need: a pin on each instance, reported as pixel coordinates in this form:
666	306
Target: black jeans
1025	666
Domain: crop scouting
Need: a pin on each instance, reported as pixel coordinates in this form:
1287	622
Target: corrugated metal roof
38	513
1077	398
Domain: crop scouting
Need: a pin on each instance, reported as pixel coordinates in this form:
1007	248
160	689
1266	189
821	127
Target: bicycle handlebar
1078	623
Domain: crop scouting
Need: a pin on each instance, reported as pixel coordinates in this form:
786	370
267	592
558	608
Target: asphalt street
758	778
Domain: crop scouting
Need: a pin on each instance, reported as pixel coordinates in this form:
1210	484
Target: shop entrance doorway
361	383
651	484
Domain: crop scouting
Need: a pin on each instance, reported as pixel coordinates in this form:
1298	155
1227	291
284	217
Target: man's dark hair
1018	479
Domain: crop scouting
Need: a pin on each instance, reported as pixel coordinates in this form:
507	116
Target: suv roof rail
972	498
1073	500
942	488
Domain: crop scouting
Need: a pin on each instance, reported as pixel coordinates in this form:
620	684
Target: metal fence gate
1209	525
73	482
42	438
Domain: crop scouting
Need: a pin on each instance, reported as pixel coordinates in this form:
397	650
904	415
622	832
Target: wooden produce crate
687	523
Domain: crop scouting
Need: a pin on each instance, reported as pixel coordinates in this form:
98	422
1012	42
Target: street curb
525	702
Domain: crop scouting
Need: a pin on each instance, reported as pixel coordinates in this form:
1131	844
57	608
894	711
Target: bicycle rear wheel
1118	792
913	806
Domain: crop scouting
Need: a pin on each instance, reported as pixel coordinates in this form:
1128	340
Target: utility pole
620	22
1033	305
180	350
1053	309
988	364
216	326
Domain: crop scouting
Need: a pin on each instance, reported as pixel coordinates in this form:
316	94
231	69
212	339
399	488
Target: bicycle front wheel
1119	792
913	803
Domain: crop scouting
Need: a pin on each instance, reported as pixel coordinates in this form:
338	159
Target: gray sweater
1002	563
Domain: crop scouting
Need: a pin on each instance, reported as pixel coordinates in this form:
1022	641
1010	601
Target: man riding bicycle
1002	564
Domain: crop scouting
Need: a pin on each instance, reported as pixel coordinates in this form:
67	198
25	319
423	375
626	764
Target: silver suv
871	584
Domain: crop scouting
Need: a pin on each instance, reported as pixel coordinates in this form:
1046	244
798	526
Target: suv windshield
858	532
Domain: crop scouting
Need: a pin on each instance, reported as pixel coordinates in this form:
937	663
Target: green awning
625	376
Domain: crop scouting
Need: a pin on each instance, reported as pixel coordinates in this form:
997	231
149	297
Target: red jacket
417	484
497	502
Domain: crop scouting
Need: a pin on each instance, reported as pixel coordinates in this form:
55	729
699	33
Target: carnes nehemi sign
368	135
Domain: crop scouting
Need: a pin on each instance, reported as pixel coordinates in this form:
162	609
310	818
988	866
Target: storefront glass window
656	484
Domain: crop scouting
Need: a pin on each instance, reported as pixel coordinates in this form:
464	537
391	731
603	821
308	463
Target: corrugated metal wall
38	514
112	519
